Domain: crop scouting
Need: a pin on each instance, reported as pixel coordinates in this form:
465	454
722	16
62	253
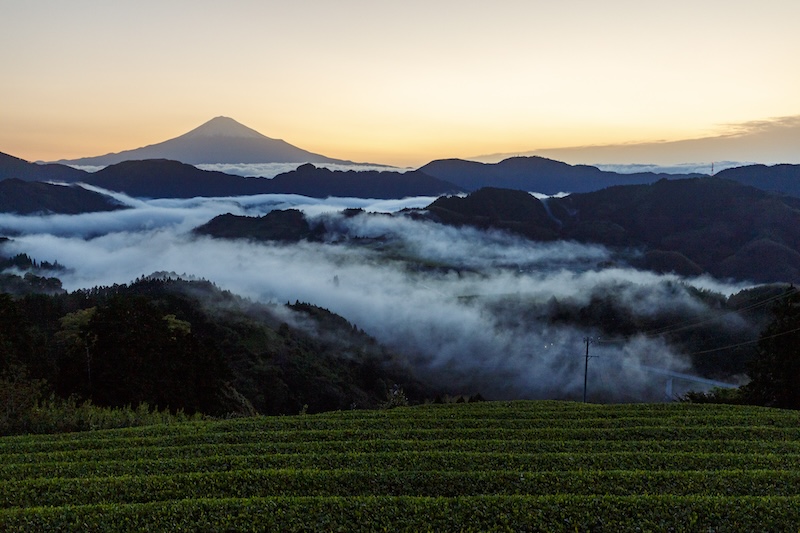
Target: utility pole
587	340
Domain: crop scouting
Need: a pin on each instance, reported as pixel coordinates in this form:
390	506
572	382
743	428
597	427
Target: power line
727	347
688	324
746	342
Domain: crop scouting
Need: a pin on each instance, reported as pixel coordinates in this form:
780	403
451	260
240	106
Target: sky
394	82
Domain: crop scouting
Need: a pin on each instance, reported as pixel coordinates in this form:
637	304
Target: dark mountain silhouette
309	180
714	223
535	174
160	178
687	226
25	198
288	225
14	167
220	140
491	207
776	178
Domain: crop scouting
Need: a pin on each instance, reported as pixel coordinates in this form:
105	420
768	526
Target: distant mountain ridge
533	174
547	176
309	180
687	226
220	140
784	179
28	198
536	174
161	178
14	167
690	226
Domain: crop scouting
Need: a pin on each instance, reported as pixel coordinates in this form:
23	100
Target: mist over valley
491	279
471	309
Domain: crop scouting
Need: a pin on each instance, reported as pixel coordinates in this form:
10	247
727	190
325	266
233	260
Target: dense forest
687	226
187	346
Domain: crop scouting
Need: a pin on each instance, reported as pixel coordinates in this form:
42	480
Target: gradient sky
391	82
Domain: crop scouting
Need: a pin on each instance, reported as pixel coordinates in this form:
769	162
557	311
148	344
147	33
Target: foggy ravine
448	319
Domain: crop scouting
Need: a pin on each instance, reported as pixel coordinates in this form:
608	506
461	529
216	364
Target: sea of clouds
449	319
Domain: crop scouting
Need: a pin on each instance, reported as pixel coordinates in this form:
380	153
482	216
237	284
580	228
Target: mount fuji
220	140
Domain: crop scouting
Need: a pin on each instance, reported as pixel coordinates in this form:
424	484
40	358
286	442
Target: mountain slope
161	178
717	224
783	179
220	140
690	226
190	345
288	225
534	174
687	226
25	198
490	207
14	167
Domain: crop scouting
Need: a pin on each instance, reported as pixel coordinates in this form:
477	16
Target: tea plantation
501	466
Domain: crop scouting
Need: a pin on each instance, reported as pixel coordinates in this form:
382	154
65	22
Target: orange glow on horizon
389	83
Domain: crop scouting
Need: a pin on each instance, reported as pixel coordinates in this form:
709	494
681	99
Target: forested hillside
186	345
688	226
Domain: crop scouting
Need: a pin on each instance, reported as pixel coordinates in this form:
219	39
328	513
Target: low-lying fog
447	316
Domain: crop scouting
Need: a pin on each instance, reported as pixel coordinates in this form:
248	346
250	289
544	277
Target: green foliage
18	396
29	283
33	279
686	225
716	395
453	467
388	513
27	410
16	343
189	346
775	372
395	397
699	327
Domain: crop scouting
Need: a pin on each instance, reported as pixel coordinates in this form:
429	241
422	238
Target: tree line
187	346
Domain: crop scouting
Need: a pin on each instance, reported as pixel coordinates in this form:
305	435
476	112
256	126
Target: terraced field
516	466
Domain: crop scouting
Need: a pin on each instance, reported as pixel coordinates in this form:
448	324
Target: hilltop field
502	466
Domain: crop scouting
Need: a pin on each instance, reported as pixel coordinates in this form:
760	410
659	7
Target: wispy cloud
777	125
768	141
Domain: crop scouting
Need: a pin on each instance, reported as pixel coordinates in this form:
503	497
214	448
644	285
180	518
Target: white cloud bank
448	318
